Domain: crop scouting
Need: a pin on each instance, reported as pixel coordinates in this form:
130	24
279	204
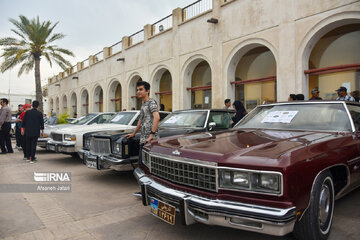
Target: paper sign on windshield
279	117
117	118
173	119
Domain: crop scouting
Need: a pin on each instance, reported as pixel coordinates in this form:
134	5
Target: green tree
36	40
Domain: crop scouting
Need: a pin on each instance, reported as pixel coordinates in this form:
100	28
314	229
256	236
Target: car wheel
317	219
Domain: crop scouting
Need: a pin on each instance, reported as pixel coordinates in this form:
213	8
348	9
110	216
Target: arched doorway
73	104
162	85
64	104
57	106
252	73
98	99
84	102
197	82
135	103
335	61
115	97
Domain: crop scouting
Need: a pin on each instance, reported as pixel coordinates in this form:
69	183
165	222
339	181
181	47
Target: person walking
343	96
5	127
26	108
240	112
18	127
32	123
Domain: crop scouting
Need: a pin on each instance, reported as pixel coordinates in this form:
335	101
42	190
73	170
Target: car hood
94	127
234	147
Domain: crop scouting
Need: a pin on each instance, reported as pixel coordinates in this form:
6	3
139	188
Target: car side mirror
212	125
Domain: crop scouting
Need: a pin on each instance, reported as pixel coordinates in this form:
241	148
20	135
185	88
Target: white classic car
88	119
70	140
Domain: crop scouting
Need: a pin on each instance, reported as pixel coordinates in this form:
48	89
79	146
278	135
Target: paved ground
101	206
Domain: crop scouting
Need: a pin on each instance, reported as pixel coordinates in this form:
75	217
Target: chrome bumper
42	142
60	147
256	218
103	162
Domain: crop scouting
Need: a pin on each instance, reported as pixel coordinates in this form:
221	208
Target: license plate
163	211
91	164
52	148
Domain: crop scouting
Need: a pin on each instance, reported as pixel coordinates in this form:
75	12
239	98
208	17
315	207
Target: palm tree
35	41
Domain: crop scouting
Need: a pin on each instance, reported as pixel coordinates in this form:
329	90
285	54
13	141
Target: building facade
250	50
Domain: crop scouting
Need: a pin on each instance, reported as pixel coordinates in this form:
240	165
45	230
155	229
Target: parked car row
279	170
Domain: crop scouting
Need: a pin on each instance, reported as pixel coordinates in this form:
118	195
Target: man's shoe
24	158
28	160
137	194
3	152
33	161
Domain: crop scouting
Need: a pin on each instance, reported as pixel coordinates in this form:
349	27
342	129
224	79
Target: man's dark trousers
5	138
18	135
31	143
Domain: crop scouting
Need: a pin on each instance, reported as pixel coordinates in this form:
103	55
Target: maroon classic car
278	171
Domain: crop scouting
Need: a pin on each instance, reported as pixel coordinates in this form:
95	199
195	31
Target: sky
89	26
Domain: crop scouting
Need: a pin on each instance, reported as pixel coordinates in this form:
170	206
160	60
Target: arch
134	102
161	86
73	105
115	96
187	72
64	103
84	101
312	37
98	99
234	58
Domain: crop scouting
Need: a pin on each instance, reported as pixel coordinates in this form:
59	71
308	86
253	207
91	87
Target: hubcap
324	204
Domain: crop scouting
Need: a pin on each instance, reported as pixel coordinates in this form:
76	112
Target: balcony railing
136	38
195	9
117	47
99	56
161	25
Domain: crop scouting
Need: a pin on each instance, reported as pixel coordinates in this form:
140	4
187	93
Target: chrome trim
254	171
351	161
207	118
338	195
274	221
184	160
349	116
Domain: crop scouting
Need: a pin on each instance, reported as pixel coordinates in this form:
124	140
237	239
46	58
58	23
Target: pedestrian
315	94
18	127
240	112
26	108
300	97
149	119
343	96
53	120
32	123
5	127
227	103
292	97
356	95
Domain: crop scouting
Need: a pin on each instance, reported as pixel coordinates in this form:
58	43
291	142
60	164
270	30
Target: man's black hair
227	100
162	107
5	100
145	84
35	104
293	97
20	105
300	97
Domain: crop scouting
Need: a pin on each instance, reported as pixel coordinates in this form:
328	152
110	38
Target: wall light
212	20
121	59
75	77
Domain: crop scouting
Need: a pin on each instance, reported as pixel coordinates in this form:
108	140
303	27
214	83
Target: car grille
57	137
184	173
100	146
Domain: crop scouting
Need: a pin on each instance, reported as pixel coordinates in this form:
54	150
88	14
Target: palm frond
56	36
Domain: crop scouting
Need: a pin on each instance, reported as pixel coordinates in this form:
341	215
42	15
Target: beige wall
289	29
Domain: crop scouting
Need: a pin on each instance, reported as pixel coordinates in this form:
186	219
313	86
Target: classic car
70	140
279	170
88	119
112	150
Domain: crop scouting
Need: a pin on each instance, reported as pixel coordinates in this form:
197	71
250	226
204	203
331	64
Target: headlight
117	147
87	142
253	181
69	137
145	158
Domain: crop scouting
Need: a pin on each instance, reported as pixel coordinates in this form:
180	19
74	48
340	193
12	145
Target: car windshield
313	116
82	120
193	119
122	118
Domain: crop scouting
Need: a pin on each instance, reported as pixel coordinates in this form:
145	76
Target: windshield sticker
279	117
173	119
117	118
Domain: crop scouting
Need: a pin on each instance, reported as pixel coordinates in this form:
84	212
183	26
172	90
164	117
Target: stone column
106	52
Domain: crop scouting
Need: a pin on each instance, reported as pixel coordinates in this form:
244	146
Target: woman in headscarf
53	120
240	112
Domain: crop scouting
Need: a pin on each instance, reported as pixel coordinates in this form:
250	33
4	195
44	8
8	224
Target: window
222	119
355	115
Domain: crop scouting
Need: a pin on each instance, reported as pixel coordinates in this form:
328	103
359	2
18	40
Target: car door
354	164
